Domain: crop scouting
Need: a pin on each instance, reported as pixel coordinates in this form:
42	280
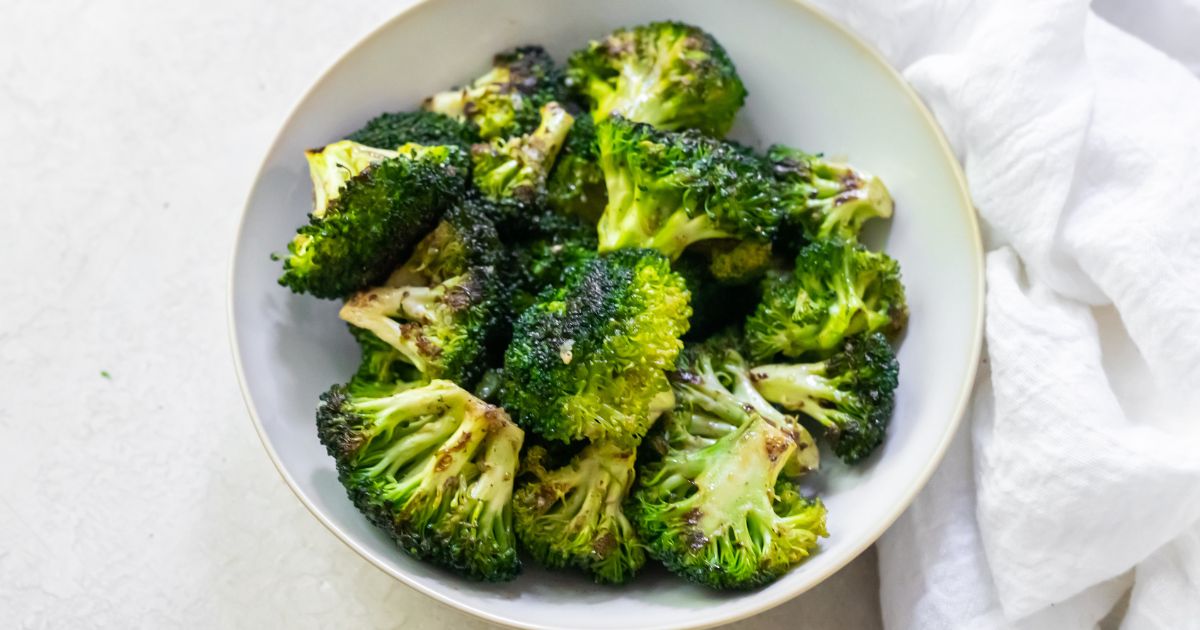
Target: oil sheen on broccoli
371	206
828	199
432	466
517	167
668	190
851	393
666	74
504	102
572	516
718	504
837	289
587	358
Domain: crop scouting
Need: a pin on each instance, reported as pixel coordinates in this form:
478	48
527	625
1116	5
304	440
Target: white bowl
812	84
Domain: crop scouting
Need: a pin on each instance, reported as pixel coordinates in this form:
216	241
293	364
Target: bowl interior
811	85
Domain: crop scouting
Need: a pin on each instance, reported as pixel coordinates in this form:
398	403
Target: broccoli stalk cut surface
836	290
851	393
666	74
432	466
504	102
572	516
587	358
669	190
371	206
828	199
517	168
717	506
391	130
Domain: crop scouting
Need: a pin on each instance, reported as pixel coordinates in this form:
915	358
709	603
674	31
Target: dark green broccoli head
517	167
587	358
432	466
572	516
666	74
851	393
837	289
541	251
391	130
371	207
716	505
440	307
576	184
715	304
827	199
504	102
667	190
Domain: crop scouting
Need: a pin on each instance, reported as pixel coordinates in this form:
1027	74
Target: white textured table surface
130	133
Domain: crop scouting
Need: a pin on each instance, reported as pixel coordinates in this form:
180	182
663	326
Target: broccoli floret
504	102
837	289
732	262
587	358
851	393
572	516
370	207
391	130
432	466
667	190
717	506
542	249
576	184
828	199
517	168
383	370
439	308
666	74
715	304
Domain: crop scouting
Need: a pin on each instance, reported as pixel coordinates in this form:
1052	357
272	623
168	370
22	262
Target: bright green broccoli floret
371	205
439	308
734	262
572	516
828	199
391	130
516	168
837	289
667	190
587	358
576	185
666	74
432	466
850	393
504	101
716	506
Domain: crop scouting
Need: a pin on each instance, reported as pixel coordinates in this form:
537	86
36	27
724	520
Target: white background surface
130	131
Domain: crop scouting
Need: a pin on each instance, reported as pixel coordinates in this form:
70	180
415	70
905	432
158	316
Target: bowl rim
917	483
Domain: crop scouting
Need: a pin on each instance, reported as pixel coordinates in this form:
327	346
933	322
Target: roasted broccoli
827	199
517	167
504	101
837	289
371	206
666	74
432	466
541	251
850	393
572	516
715	304
391	130
439	308
667	190
576	184
733	262
587	358
717	505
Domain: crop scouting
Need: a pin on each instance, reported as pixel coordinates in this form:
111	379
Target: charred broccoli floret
828	199
439	308
576	184
717	505
851	393
666	74
572	516
837	289
587	358
542	251
371	205
667	190
517	167
394	129
504	101
432	466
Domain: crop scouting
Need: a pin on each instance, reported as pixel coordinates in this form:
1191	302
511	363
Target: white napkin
1077	472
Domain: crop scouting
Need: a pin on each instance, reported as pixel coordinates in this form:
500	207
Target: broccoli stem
799	387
